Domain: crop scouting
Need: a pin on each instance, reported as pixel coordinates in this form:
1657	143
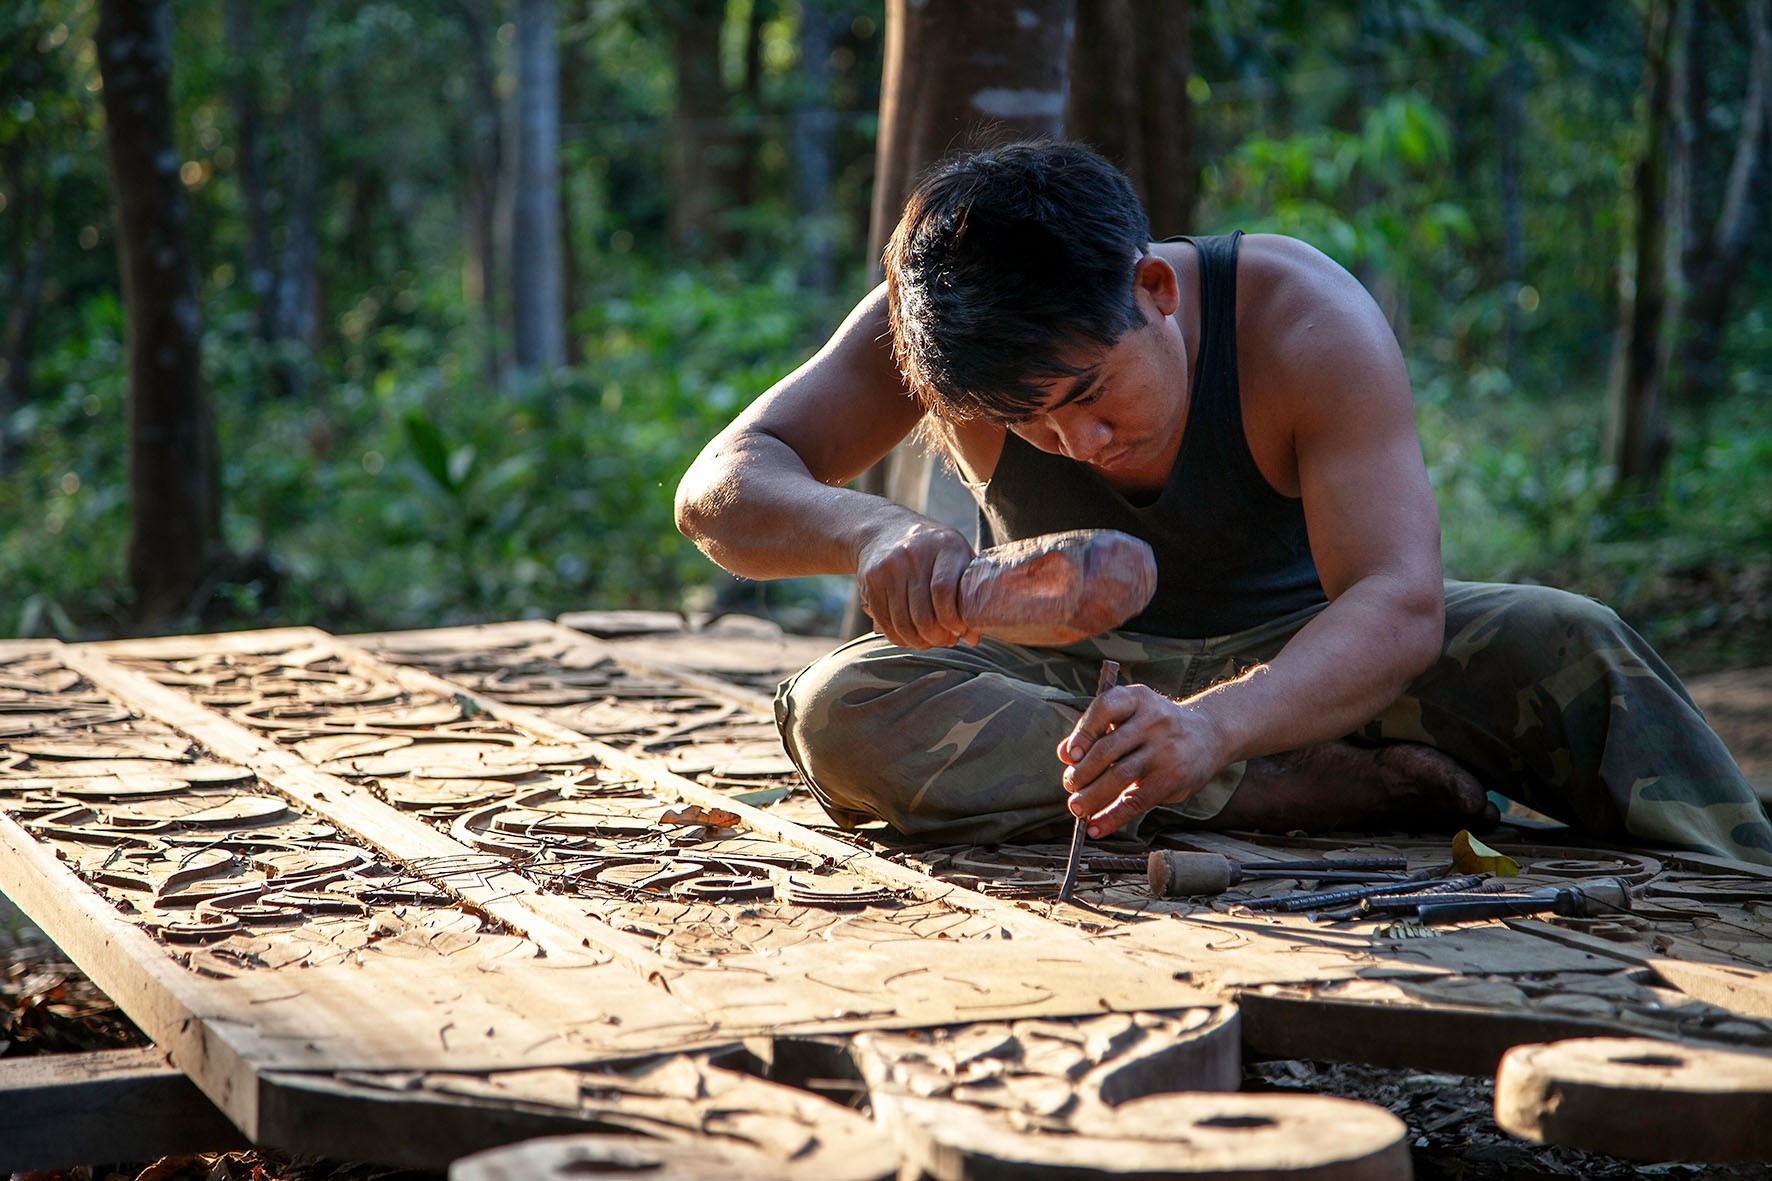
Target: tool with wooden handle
1110	673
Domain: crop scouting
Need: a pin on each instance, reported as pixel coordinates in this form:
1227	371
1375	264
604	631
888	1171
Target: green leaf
430	449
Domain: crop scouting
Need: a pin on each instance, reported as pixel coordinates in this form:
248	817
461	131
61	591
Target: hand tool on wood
1176	873
1592	900
1110	672
1319	899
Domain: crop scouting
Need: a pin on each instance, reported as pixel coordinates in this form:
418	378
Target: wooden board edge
62	1110
163	999
1456	1039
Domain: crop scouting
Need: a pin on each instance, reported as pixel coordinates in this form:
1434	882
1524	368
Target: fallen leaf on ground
696	814
1469	855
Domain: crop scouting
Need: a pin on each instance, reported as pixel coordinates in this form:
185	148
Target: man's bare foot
1340	785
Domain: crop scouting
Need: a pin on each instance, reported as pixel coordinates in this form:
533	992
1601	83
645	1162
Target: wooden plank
1643	949
674	786
62	1110
1637	1098
429	1120
167	1002
384	1012
1382	1025
734	647
701	726
1739	990
1049	1073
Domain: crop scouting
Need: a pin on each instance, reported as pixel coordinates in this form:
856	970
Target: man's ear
1158	279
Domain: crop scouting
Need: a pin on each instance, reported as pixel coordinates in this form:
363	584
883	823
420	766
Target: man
1240	404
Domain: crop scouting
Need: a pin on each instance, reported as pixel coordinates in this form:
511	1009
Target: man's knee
1535	626
927	741
857	720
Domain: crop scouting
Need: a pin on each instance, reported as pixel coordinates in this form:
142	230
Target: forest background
1560	207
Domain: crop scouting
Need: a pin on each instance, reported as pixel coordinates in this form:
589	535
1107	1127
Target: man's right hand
908	579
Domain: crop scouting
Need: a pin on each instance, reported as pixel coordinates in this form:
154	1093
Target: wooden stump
558	1158
1639	1098
1196	1136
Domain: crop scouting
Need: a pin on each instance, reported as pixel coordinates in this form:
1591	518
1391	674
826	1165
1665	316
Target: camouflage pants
1545	696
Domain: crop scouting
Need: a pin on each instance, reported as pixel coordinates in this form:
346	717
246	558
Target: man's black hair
1005	261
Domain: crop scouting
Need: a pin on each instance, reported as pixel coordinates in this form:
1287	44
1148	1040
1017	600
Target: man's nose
1080	437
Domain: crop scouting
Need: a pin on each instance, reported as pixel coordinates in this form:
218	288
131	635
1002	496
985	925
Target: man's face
1124	412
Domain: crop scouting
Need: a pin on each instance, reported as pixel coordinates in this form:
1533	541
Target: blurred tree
296	297
1638	438
1715	222
962	75
540	335
575	30
175	522
1129	98
249	157
30	208
812	142
478	147
52	199
700	170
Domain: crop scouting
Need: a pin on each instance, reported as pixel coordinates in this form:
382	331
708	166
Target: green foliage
553	493
410	484
1372	198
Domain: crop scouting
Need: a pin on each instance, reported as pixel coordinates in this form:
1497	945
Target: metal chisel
1110	673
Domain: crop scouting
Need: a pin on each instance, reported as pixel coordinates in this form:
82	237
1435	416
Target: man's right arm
765	499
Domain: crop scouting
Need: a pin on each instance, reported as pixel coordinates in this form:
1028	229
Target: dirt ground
1738	705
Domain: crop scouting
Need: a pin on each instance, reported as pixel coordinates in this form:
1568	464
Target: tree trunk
573	63
257	272
1129	100
1715	251
175	529
746	134
812	148
1166	123
539	338
697	163
1103	105
26	264
963	75
1510	127
1638	442
296	299
957	76
485	161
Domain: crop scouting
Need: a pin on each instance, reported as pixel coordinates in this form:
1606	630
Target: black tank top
1231	552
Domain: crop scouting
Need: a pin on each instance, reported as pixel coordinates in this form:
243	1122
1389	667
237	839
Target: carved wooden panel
585	847
478	866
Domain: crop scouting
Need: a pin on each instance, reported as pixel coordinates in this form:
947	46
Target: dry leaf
1469	855
696	814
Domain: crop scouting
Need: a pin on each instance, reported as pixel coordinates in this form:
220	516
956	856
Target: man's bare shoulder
1312	318
1280	279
